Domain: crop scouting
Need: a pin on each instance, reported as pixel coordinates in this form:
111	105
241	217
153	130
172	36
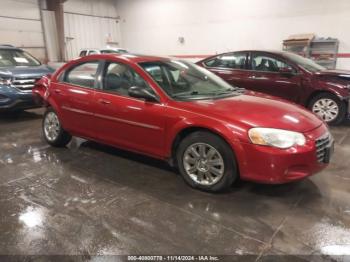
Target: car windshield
111	51
305	63
184	80
10	58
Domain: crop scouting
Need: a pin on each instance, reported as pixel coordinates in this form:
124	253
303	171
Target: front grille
24	84
322	144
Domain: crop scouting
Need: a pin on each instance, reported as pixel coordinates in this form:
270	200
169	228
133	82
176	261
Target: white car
86	52
112	50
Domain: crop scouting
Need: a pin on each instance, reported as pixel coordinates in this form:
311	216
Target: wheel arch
343	105
49	102
185	131
318	92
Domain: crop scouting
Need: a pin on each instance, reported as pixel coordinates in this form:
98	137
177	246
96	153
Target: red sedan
177	111
289	76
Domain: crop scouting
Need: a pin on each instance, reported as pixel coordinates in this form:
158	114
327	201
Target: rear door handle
57	91
104	102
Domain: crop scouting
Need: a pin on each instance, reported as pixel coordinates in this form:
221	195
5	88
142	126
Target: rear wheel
54	134
329	108
206	162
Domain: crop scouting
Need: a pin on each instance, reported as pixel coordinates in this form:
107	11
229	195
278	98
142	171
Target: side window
92	52
82	53
232	61
118	78
82	74
268	64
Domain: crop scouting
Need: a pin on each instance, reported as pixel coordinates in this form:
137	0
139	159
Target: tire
53	132
196	169
322	105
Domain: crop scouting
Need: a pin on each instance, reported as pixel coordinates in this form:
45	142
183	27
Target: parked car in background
177	111
86	52
18	73
112	50
287	75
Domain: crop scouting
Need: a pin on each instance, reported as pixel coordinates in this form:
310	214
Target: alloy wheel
203	164
326	108
51	126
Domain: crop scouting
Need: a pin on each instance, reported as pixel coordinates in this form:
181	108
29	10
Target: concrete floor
91	199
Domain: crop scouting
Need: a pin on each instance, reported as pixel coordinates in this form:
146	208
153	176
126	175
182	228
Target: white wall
209	27
90	24
104	8
20	25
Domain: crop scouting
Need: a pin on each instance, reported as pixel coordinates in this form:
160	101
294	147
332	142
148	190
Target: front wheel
206	162
54	134
329	108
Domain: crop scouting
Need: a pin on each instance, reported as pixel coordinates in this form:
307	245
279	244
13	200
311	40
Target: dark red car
287	75
177	111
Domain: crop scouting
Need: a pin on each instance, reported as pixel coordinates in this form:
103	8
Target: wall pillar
57	7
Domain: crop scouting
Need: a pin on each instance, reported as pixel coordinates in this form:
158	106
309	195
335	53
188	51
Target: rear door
274	76
74	93
232	67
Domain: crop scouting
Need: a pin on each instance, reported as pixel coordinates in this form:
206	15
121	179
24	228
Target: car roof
276	52
113	48
10	47
273	52
89	49
133	58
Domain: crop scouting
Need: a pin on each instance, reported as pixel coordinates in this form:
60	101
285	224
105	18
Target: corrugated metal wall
20	25
88	32
90	24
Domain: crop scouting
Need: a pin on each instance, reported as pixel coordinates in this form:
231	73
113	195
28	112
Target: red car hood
256	110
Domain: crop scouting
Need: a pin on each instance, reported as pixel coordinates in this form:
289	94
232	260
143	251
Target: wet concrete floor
90	199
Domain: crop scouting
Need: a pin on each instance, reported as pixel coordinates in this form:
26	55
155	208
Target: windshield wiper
225	92
215	93
186	94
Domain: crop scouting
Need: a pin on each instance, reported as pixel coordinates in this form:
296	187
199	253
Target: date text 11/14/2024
173	258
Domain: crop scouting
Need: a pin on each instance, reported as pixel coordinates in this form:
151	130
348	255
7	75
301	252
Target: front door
125	121
273	76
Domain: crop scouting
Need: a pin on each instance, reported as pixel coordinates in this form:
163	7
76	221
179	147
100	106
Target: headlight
5	81
276	137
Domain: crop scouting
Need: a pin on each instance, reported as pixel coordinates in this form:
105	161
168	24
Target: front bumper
276	166
15	100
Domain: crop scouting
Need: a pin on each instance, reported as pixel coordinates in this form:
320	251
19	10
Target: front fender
231	134
339	88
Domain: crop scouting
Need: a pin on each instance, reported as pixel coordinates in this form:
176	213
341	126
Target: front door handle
258	77
104	102
57	91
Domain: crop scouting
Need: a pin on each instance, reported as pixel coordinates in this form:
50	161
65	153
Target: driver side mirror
287	71
143	93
